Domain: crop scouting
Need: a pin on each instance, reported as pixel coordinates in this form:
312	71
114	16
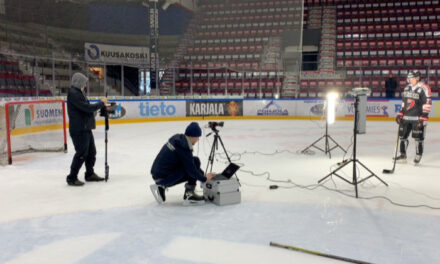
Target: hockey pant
418	133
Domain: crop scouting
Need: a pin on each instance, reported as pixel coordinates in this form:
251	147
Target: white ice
43	220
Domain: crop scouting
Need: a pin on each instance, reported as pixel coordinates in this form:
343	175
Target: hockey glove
399	118
422	121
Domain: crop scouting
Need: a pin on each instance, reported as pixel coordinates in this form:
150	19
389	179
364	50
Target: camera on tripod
214	125
108	110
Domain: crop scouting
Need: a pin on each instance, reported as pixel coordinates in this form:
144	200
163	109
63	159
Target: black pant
85	153
389	94
418	133
179	176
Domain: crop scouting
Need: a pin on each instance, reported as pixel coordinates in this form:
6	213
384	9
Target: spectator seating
228	47
375	38
14	84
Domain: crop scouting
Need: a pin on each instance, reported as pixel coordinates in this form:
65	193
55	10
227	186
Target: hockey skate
158	193
401	158
191	198
417	159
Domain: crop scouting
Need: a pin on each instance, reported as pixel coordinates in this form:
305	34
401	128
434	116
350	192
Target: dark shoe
75	182
417	159
158	192
191	198
93	177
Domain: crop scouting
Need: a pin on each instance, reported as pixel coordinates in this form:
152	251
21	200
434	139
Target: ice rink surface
43	220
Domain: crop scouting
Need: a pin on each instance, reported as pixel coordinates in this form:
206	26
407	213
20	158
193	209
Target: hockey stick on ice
386	171
316	253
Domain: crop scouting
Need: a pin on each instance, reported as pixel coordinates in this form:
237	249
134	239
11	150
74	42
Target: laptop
227	173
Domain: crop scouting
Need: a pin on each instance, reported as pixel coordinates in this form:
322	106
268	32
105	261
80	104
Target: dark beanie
193	130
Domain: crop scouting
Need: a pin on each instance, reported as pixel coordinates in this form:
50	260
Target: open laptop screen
230	170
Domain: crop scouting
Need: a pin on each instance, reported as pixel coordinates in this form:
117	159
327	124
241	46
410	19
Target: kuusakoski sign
214	108
101	53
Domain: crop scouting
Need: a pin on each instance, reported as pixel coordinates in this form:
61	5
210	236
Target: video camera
108	109
214	125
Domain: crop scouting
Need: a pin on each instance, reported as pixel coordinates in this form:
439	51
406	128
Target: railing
42	76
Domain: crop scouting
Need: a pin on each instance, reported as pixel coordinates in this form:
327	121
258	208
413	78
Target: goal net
31	126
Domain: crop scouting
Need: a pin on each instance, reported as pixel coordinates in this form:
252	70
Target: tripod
214	147
354	182
326	137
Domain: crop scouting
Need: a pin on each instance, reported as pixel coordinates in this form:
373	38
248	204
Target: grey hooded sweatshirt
80	111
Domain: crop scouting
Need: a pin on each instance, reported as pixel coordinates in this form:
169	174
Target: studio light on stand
330	106
360	105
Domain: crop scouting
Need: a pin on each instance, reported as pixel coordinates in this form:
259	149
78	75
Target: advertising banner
102	53
32	115
268	107
214	108
375	108
139	109
311	108
345	108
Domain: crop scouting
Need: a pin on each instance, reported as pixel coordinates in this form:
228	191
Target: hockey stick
273	244
386	171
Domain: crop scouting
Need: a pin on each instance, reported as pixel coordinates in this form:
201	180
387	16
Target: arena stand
379	37
13	83
361	43
235	48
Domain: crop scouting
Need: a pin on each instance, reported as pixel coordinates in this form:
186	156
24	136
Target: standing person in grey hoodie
81	122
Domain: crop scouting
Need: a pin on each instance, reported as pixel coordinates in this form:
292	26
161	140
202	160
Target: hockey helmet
413	74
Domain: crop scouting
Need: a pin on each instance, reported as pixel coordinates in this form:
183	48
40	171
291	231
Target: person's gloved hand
422	121
399	118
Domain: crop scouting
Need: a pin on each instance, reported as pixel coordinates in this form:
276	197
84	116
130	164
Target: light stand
331	98
354	182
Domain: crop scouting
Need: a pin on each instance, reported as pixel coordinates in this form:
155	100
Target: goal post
32	126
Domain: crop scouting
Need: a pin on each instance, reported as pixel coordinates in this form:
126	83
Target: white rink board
315	107
140	109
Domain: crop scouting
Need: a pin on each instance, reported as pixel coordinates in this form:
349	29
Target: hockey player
416	105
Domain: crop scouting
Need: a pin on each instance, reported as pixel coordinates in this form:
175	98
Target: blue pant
179	176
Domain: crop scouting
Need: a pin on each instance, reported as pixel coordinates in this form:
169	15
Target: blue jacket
176	155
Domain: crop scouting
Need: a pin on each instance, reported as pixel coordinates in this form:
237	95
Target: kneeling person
176	164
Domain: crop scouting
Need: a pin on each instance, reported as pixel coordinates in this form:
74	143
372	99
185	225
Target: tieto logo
154	110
